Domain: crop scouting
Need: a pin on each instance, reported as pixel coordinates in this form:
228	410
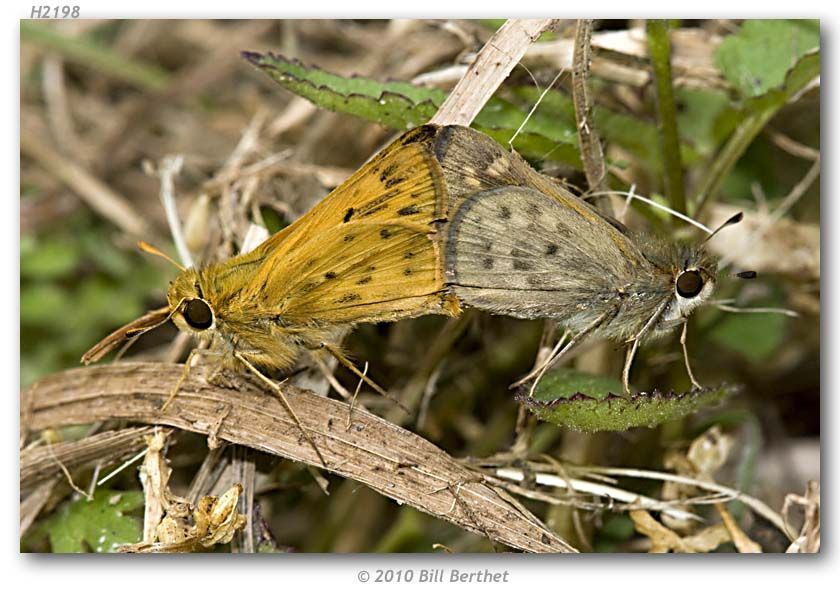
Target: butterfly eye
689	284
198	314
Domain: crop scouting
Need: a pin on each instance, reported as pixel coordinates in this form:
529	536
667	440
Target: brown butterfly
519	244
368	252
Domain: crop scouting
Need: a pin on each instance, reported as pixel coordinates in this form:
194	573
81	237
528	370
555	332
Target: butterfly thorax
211	303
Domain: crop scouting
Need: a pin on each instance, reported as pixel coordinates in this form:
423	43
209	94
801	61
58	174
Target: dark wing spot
378	203
409	255
348	298
522	265
407	272
349	214
408	210
504	212
349	237
418	134
487	263
534	211
365	279
387	172
551	250
384	234
393	181
330	275
488	245
308	287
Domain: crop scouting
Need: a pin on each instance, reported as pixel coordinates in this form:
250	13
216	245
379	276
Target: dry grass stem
101	198
41	463
490	68
389	459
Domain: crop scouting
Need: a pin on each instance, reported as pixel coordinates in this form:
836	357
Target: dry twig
490	68
391	460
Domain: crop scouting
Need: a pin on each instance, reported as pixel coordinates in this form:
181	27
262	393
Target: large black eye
689	284
198	314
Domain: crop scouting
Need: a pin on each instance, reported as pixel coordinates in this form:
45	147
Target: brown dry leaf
706	454
665	540
214	521
742	542
765	243
709	451
154	475
808	540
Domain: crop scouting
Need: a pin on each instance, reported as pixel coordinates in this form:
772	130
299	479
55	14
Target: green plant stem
729	155
759	112
659	48
95	56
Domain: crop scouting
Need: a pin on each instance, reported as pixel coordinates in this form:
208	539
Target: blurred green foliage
99	525
757	58
76	285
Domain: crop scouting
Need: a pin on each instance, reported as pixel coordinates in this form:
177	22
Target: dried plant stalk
40	463
490	68
391	460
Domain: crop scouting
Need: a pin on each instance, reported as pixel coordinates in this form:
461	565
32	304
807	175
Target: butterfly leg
576	340
336	351
683	336
327	371
184	374
634	346
275	387
548	360
339	355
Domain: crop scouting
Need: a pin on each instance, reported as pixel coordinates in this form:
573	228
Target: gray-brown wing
514	251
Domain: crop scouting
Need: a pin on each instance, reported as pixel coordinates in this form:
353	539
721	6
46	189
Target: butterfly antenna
733	220
149	249
632	195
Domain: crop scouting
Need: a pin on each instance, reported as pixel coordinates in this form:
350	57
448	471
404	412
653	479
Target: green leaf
395	104
595	403
100	525
47	258
41	304
756	113
755	336
565	383
555	118
757	58
705	117
401	105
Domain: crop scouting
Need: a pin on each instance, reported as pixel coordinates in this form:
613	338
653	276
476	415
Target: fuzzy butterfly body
519	244
365	253
517	252
368	252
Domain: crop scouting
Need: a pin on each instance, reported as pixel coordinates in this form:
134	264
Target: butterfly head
693	280
191	311
685	275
